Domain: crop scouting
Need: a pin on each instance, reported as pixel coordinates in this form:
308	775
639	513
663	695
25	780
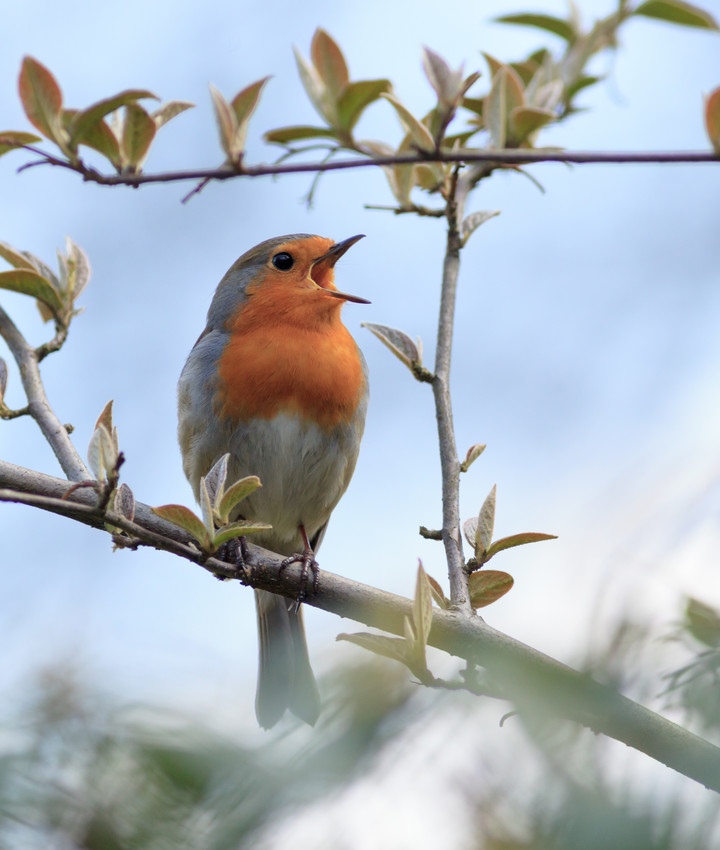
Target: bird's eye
283	261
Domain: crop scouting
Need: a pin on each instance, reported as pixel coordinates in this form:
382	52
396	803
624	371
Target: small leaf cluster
218	504
409	649
55	293
234	117
124	139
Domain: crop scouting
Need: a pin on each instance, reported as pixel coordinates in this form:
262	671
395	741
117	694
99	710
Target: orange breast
290	354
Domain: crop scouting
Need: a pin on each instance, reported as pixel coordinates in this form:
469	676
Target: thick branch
53	430
532	680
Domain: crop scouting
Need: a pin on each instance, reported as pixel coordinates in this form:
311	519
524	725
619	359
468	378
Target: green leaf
138	132
235	494
86	120
169	110
473	221
473	453
17	259
238	529
389	647
474	104
549	23
516	540
11	140
31	283
102	454
493	64
356	98
580	84
712	118
99	137
485	524
284	135
244	104
185	518
526	120
487	586
677	12
76	267
703	622
41	98
329	62
397	341
418	132
314	88
216	477
226	121
206	508
422	606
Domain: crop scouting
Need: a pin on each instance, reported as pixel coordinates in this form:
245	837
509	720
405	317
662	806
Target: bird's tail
285	678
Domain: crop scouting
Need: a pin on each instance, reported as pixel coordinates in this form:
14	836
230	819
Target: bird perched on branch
276	380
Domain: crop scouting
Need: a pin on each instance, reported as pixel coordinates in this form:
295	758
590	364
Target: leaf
170	110
580	84
185	518
677	12
712	118
101	454
494	64
216	477
138	132
31	283
314	88
389	647
516	540
11	140
506	94
398	342
487	586
226	121
105	418
485	524
526	120
283	135
78	268
441	77
17	259
329	62
437	592
206	507
473	453
244	104
235	494
418	132
99	137
473	221
356	98
549	23
422	606
238	529
125	502
703	622
470	530
474	104
87	119
41	98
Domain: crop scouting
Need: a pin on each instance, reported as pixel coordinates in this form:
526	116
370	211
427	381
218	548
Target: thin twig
494	158
52	428
449	462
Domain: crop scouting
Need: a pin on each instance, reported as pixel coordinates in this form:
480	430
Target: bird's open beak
327	261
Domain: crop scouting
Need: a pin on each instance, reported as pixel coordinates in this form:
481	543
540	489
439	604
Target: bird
277	381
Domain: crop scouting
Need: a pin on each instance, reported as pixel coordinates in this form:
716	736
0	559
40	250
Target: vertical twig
449	462
53	430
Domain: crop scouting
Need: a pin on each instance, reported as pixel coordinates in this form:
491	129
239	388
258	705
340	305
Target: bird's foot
308	565
235	552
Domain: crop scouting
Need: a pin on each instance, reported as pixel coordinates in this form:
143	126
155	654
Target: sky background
587	352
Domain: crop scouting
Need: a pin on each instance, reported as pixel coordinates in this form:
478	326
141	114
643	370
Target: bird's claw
235	552
308	565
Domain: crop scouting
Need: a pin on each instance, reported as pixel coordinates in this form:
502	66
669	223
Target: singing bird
277	381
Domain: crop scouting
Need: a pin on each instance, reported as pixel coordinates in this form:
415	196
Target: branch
495	158
449	462
27	359
532	680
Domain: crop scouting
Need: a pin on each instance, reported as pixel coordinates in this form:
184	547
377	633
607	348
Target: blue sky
587	355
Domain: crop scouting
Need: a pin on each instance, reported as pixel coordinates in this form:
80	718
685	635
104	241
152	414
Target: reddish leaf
517	540
329	62
487	586
41	97
712	118
10	140
245	102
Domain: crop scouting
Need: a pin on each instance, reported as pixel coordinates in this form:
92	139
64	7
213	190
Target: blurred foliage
78	771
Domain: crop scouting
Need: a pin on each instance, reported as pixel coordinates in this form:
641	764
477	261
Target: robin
277	381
